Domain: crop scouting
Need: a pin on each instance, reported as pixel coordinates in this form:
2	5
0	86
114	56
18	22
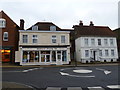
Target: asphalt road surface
65	78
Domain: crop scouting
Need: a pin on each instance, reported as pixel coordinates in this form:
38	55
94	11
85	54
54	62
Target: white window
100	52
25	38
106	53
62	39
86	41
35	28
5	36
99	41
112	52
92	41
86	53
106	41
111	42
35	38
52	28
53	39
2	23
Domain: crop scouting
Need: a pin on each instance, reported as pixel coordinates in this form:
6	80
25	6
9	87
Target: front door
45	58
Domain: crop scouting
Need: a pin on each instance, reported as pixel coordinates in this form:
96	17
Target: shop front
45	56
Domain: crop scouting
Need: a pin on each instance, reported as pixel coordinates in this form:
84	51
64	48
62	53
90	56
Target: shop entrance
45	56
5	55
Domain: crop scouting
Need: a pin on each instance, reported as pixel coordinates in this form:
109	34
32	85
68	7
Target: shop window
25	59
5	55
64	56
53	56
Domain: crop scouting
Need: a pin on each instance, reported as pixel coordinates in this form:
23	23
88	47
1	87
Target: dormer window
52	28
35	28
2	23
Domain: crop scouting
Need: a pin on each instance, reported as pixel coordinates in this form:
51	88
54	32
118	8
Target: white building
95	43
43	44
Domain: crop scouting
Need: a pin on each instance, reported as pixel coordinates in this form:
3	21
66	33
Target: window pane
105	41
112	52
54	56
86	53
62	39
25	38
93	41
5	36
64	56
106	53
86	41
111	41
54	39
99	41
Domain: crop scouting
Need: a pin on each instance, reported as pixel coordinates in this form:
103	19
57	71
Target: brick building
9	38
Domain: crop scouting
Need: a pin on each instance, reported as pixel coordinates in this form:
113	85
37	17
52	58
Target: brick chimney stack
22	24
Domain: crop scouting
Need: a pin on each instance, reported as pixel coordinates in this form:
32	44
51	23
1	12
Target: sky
63	13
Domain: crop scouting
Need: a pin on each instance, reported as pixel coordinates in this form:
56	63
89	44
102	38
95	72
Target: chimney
91	23
81	23
21	24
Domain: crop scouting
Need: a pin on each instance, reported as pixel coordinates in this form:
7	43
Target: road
65	77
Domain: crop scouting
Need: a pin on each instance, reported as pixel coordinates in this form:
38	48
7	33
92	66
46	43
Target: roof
102	31
3	15
44	26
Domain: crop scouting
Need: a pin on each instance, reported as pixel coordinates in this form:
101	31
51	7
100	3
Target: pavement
70	65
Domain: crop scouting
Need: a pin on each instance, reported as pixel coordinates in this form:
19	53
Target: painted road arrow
105	71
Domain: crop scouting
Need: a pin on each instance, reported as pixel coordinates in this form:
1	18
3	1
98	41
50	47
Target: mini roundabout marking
77	72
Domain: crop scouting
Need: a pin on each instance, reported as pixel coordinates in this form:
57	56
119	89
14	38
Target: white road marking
66	74
74	88
114	86
96	88
53	88
30	69
105	71
82	71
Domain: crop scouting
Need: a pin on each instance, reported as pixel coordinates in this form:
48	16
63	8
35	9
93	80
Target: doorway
45	56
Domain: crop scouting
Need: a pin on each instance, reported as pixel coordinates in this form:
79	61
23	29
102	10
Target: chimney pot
91	23
81	23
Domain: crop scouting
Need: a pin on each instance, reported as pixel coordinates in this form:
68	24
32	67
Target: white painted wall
45	38
81	47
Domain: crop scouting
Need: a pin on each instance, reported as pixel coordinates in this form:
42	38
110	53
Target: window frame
35	38
2	23
86	53
63	39
99	42
86	41
24	40
54	39
5	35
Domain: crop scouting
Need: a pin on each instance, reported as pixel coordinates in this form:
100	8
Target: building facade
95	43
9	41
117	31
43	44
